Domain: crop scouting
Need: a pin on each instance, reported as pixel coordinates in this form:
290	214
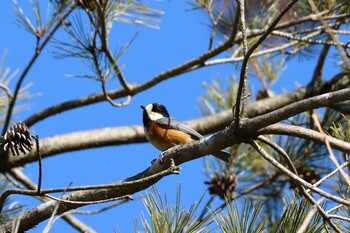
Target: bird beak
143	107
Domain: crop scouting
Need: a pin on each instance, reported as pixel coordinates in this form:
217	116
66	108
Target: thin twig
31	62
110	100
97	211
261	52
332	35
295	178
171	170
240	90
216	22
279	150
339	217
300	132
51	219
318	70
7	91
89	212
60	200
71	220
101	11
302	182
346	163
330	151
36	138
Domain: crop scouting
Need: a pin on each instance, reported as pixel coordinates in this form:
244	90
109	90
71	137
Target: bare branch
331	154
303	183
30	64
188	152
205	125
71	220
242	87
330	174
216	22
332	35
296	108
249	53
296	131
36	138
139	182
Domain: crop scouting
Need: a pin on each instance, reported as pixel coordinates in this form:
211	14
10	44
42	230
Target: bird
164	132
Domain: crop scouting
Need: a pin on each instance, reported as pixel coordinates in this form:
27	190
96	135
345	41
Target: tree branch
95	98
297	131
304	184
44	211
295	108
71	220
188	152
249	53
205	125
30	64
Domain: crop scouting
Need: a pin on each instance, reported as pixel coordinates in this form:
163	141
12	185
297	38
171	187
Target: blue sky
182	36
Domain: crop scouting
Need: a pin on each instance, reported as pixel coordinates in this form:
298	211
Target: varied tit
165	132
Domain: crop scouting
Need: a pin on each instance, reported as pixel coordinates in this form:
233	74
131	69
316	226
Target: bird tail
224	156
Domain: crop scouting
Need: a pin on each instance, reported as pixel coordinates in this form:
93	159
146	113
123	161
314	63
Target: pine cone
223	184
18	139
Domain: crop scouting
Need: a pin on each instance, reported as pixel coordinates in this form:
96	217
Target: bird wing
171	123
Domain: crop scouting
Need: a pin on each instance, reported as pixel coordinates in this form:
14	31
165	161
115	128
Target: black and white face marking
155	111
159	108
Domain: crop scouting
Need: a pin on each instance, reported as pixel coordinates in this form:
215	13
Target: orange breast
164	139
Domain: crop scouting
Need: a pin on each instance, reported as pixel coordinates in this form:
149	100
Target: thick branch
297	131
31	218
182	154
73	221
296	108
134	134
78	141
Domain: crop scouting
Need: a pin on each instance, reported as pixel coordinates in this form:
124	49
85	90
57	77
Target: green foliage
267	68
44	17
88	33
249	219
220	95
341	129
309	158
165	217
294	213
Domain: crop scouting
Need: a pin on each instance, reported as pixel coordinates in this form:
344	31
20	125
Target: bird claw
153	161
160	158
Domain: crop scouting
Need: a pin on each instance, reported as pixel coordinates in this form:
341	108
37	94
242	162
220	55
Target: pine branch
37	52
